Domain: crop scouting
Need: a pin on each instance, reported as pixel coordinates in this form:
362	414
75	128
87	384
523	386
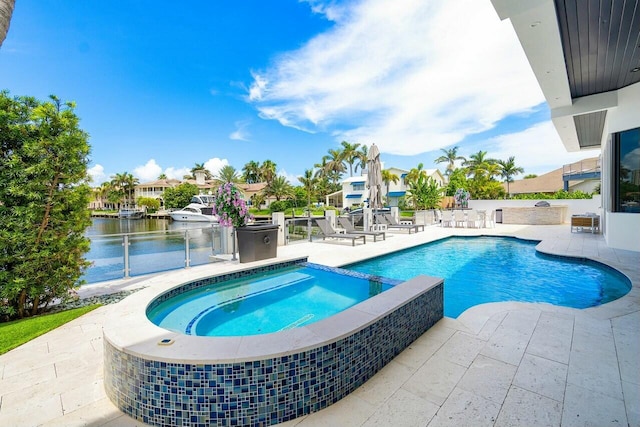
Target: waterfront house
354	191
590	77
155	189
580	176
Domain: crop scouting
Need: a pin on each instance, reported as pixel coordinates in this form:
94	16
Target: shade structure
374	178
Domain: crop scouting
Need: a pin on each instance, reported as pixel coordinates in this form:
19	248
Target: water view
154	245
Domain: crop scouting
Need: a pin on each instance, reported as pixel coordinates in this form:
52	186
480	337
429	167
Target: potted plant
230	207
255	242
462	197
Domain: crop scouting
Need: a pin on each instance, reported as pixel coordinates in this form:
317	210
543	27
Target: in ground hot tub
170	378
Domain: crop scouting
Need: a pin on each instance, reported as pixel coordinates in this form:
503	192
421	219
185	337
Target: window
358	186
626	192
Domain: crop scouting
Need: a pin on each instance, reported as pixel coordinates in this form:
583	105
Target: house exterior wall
395	191
621	229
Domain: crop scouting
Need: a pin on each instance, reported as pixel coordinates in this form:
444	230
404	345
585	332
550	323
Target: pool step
184	317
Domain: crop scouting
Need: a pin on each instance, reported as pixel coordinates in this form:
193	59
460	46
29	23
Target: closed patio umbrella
374	178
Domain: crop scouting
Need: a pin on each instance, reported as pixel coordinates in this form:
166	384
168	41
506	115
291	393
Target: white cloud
97	175
214	165
293	179
241	133
411	79
176	173
537	149
148	172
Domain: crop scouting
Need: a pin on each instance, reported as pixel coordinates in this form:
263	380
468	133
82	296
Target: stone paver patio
500	364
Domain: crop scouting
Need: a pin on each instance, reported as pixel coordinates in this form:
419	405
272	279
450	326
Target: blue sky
160	86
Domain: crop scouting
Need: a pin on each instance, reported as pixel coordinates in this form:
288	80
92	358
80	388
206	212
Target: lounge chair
346	224
327	231
459	219
393	224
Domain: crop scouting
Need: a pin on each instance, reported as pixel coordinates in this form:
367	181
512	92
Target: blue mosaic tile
269	391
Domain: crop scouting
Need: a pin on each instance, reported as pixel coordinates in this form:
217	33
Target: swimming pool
265	302
168	378
479	270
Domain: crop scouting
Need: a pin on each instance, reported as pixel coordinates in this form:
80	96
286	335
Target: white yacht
199	210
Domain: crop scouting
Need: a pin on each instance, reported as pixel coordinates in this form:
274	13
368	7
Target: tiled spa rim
164	378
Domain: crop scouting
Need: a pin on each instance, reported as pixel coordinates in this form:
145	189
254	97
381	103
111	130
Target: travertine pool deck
502	364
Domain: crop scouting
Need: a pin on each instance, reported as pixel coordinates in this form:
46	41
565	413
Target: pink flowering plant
462	196
231	209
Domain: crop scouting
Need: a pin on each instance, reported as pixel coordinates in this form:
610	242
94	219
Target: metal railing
116	256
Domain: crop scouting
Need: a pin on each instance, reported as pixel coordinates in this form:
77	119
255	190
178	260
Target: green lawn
18	332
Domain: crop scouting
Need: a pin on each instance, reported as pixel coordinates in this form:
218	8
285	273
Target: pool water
266	302
478	270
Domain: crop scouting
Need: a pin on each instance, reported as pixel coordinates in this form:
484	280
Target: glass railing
117	256
299	230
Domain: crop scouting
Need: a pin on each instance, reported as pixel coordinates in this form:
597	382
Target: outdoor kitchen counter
535	215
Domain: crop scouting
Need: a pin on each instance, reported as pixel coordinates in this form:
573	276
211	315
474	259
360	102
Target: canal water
154	245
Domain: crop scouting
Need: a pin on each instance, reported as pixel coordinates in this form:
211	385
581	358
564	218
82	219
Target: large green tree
424	192
44	194
179	196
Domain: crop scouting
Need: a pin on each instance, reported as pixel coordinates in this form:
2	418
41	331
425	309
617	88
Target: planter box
257	242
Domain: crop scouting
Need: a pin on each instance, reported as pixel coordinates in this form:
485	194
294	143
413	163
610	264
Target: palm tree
227	173
508	170
6	10
199	167
251	172
415	173
279	187
257	200
350	154
491	170
450	157
477	164
309	182
268	171
363	156
124	182
334	168
162	176
389	177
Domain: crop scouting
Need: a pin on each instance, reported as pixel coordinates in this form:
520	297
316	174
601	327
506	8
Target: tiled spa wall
268	391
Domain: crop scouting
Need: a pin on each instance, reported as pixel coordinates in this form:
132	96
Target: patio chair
491	219
437	216
326	230
447	219
393	224
473	219
458	218
348	226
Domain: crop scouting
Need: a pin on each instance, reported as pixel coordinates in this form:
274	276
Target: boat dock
114	215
